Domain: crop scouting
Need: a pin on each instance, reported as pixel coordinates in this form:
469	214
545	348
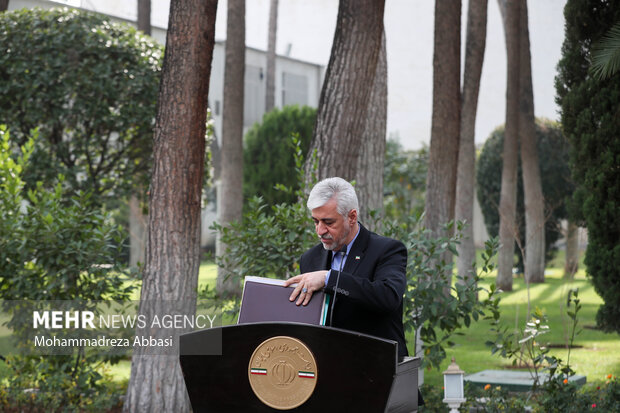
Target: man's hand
307	284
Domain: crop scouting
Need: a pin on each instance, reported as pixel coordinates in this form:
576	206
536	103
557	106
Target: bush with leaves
90	86
53	247
268	154
557	186
404	180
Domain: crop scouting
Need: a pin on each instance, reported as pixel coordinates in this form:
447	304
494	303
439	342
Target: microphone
342	251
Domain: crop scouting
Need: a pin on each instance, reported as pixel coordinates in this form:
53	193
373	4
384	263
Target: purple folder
266	299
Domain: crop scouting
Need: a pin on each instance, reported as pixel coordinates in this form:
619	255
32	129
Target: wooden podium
352	372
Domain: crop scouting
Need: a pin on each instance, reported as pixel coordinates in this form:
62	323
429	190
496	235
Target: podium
283	366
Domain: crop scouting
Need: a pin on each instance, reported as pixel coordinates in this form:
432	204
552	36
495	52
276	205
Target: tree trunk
342	111
137	232
230	189
444	147
369	186
572	251
173	246
532	187
474	57
508	195
144	16
270	78
4	5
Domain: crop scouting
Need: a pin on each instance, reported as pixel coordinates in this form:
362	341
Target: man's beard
336	245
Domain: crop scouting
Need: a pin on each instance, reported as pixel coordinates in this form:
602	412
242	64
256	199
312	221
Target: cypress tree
590	115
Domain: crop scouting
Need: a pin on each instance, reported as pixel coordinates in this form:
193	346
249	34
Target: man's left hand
307	284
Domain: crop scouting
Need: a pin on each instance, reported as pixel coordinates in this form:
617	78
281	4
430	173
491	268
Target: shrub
90	86
53	247
268	154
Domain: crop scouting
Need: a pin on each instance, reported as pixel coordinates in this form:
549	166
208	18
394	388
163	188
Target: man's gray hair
325	190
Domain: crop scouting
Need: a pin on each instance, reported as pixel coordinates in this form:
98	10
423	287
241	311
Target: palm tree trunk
444	147
144	16
508	195
474	57
572	251
270	75
530	167
230	188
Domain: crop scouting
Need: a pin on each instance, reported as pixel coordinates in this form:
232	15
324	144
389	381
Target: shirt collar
350	244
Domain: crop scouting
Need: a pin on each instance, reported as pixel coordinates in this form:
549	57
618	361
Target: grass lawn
598	353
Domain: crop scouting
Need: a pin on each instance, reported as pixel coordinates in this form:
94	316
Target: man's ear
352	216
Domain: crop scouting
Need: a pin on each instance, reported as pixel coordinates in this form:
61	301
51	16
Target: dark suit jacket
370	288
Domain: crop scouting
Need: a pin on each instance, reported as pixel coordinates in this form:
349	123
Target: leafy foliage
589	112
432	303
90	86
555	175
606	54
268	240
268	154
53	249
404	180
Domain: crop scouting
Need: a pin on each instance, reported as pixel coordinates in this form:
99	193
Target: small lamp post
454	394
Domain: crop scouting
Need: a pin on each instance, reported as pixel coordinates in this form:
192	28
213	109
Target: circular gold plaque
282	372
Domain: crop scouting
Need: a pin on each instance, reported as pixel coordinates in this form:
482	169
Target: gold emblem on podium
282	372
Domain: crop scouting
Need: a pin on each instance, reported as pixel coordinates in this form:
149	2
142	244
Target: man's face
332	228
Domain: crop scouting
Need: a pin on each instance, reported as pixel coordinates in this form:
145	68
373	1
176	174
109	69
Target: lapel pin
357	257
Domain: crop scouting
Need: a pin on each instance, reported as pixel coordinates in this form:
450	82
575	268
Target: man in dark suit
368	292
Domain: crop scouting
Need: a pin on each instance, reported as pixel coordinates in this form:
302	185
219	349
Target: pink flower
594	405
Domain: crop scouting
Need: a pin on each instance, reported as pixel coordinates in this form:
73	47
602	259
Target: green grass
598	353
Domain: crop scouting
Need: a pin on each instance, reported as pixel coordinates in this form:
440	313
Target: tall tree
144	16
369	186
137	220
230	188
173	246
589	108
342	111
474	57
444	147
508	194
532	185
270	75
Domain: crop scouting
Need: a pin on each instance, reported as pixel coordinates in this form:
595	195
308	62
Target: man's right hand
307	284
